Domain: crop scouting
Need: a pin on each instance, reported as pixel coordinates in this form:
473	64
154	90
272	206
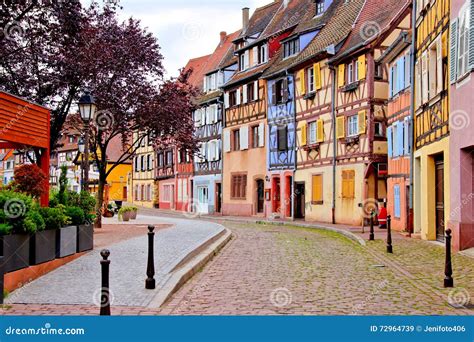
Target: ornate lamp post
87	108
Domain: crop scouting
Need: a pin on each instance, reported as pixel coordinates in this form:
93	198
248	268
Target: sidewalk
78	283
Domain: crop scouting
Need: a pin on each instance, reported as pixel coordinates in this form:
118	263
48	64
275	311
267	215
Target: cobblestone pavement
284	270
79	281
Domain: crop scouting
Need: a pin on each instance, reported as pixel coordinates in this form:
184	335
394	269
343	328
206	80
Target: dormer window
291	47
319	7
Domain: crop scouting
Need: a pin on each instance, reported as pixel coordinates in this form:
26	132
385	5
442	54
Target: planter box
133	215
16	252
85	238
66	243
43	247
126	216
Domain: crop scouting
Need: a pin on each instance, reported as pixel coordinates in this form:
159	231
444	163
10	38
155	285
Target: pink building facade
461	219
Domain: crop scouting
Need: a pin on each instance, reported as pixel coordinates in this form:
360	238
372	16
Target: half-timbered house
174	167
431	121
359	111
208	119
244	157
461	219
281	127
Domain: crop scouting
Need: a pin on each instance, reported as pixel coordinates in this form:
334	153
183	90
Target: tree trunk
100	200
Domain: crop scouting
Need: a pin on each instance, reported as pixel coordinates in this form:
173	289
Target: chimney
245	18
223	35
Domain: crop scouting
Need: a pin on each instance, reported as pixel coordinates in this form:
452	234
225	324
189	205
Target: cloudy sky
187	28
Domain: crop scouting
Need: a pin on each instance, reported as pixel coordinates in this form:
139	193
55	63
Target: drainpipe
334	144
412	116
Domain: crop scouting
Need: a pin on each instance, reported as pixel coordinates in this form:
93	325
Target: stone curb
189	266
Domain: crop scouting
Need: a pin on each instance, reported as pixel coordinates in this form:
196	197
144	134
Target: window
148	192
435	68
348	185
238	187
169	158
312	128
250	92
233	98
398	139
282	138
319	7
396	201
310	79
71	139
242	62
160	160
165	195
463	42
149	162
236	140
255	136
352	125
136	193
291	48
142	163
378	127
263	54
317	189
399	75
280	92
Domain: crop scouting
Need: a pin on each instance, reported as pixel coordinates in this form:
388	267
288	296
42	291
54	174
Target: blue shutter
401	73
396	201
389	142
400	138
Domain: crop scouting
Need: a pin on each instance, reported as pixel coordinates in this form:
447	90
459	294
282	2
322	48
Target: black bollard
448	267
105	293
389	234
150	270
372	234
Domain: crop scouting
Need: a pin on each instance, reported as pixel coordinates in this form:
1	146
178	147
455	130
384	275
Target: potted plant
82	207
66	235
124	214
133	213
18	220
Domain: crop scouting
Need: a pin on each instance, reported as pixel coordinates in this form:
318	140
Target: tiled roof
209	96
260	19
336	24
252	72
289	16
374	19
223	52
198	66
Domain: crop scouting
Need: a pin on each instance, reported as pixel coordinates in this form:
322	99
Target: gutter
334	144
412	116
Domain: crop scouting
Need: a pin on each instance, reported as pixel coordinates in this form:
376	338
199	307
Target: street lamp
87	108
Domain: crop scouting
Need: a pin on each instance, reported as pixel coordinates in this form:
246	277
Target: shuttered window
362	122
341	75
361	67
396	201
352	125
320	130
317	76
317	189
312	128
304	133
348	185
238	187
302	82
454	50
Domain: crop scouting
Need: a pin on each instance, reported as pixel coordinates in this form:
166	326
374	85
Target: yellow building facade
431	122
142	184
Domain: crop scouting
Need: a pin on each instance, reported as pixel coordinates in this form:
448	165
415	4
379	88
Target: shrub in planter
76	215
133	213
66	236
42	243
18	219
85	229
124	214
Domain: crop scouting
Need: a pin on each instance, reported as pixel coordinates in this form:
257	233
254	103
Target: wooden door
260	196
439	197
300	201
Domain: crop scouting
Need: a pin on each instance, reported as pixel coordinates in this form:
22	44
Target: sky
187	28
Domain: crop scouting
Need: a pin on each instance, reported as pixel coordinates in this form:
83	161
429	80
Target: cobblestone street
269	269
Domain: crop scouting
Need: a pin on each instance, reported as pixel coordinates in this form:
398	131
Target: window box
352	140
310	95
311	147
350	87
